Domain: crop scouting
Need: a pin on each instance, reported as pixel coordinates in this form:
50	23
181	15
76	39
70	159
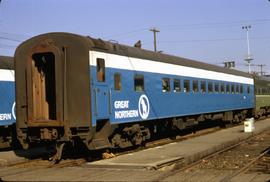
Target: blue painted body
7	106
161	104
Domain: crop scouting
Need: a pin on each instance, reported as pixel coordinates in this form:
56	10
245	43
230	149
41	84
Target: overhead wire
187	26
205	40
216	24
10	39
126	33
7	46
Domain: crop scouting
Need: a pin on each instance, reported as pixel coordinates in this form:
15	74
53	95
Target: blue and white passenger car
7	98
71	87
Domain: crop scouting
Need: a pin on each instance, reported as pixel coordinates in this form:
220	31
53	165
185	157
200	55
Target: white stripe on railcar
130	63
6	75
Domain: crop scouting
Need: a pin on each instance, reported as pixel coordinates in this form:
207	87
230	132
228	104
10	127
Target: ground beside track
188	151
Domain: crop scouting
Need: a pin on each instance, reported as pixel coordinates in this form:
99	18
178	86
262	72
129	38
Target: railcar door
43	89
101	91
43	81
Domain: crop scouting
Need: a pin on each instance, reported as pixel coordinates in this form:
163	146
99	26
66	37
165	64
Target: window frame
117	81
217	87
228	88
203	86
195	86
101	70
248	89
167	87
186	83
138	77
178	81
241	89
222	88
237	89
233	88
210	87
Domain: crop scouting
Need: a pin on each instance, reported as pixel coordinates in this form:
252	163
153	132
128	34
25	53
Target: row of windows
202	86
197	85
262	90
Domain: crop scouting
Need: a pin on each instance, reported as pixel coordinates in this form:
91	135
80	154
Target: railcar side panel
151	101
98	88
7	98
262	92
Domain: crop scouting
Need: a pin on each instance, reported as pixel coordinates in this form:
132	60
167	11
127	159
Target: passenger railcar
7	99
73	88
262	91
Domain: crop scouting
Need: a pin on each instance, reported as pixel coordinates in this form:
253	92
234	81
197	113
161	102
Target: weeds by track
230	164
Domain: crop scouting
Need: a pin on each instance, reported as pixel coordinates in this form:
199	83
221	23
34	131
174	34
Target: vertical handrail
95	95
110	101
64	86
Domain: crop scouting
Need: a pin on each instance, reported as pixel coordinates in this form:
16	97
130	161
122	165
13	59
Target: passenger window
233	88
100	70
186	85
165	85
248	89
138	83
195	85
222	88
176	85
203	86
228	88
237	88
210	87
241	89
217	88
117	81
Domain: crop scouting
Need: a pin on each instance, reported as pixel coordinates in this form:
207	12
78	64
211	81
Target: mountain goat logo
144	107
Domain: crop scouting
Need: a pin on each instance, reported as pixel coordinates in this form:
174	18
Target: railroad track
81	160
246	157
206	165
264	166
28	163
48	164
68	163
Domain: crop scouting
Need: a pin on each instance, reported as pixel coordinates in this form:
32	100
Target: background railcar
262	91
7	99
72	88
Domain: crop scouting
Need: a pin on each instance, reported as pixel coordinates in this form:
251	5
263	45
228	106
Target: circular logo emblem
144	107
13	110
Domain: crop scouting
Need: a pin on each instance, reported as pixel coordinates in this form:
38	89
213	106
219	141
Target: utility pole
249	57
261	67
154	30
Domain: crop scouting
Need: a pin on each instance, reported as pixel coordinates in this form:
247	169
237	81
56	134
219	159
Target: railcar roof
124	50
115	48
6	62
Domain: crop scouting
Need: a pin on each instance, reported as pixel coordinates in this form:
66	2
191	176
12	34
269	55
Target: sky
204	30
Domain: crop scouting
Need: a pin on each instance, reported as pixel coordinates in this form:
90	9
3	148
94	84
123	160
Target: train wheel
59	151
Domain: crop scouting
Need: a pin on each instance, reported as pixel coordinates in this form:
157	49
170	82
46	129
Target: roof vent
138	44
